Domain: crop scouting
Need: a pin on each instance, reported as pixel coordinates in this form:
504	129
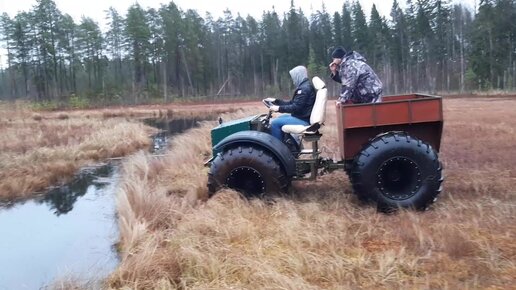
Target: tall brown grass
36	156
320	236
46	148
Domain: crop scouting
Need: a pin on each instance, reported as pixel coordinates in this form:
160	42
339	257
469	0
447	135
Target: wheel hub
246	180
399	178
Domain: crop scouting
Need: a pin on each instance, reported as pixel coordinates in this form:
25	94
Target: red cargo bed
419	115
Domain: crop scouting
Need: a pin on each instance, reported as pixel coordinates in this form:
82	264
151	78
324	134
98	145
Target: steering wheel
268	104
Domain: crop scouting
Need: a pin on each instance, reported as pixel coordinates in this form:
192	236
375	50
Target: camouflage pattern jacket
360	84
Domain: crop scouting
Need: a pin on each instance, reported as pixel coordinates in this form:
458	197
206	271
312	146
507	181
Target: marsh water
67	233
168	128
71	231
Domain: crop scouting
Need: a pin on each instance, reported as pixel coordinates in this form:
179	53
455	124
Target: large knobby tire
252	171
397	170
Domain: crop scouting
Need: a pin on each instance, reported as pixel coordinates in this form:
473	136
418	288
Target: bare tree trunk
461	60
262	72
11	74
165	83
276	68
188	71
509	76
223	86
491	73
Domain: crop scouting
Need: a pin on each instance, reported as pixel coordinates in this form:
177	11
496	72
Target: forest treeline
166	52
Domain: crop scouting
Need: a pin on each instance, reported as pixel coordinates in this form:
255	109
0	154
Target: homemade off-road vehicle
388	149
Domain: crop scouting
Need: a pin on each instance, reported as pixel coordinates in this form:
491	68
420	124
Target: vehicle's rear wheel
397	170
249	170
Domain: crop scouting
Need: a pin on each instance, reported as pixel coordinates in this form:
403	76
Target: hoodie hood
298	75
354	55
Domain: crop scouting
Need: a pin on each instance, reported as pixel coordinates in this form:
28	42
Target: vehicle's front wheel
397	170
249	170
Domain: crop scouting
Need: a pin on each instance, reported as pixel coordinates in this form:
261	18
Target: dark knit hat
339	52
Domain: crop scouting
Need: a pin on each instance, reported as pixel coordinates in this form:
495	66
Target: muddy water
71	231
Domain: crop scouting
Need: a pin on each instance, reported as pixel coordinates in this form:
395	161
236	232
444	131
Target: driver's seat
318	111
311	133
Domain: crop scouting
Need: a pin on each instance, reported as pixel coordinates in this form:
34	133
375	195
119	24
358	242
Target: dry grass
46	148
320	236
73	283
36	153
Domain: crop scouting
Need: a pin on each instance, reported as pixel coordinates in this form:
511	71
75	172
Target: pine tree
47	18
114	42
422	47
321	37
347	31
67	55
483	40
337	29
360	31
399	48
461	23
6	29
297	45
193	35
377	44
442	46
137	35
273	45
89	41
172	26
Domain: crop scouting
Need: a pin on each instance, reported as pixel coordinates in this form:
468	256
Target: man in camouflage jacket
360	84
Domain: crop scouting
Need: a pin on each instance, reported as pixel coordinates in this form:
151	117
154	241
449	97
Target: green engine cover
228	128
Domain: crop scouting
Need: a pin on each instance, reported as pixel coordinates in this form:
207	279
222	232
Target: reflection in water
71	230
61	199
169	127
44	239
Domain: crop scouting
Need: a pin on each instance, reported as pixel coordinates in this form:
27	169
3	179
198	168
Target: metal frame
314	162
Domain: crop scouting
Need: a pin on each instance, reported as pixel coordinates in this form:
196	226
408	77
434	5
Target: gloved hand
274	108
272	100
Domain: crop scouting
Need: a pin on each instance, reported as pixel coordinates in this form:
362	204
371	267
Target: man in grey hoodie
299	107
360	84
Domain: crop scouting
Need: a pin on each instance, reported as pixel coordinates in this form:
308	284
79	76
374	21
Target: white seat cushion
300	129
294	129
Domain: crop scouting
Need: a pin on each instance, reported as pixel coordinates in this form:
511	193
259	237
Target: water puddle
67	233
169	128
71	231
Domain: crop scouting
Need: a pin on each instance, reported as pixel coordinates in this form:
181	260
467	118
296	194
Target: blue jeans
282	120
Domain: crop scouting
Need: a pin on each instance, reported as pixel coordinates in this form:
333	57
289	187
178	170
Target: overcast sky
95	8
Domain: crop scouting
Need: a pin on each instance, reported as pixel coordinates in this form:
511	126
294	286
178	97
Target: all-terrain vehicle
388	149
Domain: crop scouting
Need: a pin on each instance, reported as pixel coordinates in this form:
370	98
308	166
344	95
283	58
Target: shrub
77	102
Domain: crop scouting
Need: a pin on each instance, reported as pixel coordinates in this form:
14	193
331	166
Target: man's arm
282	102
297	104
349	82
